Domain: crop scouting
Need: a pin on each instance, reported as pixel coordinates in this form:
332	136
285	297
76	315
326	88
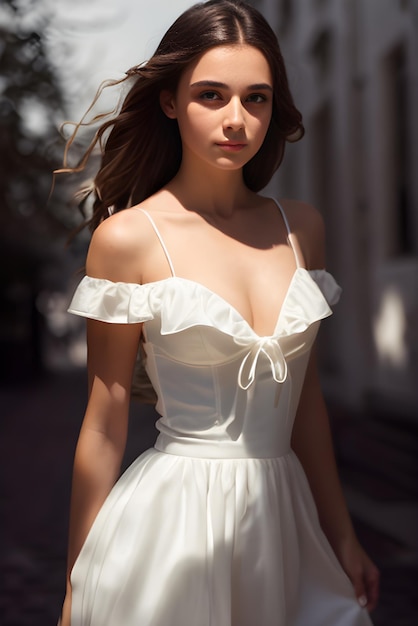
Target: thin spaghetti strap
160	239
299	262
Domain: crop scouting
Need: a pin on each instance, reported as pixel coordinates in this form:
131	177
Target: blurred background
353	70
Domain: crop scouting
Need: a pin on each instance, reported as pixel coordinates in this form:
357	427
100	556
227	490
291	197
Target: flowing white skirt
186	541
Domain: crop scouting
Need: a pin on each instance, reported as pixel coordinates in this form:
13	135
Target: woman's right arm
112	351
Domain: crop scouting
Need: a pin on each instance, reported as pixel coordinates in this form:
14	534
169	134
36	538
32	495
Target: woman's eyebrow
218	85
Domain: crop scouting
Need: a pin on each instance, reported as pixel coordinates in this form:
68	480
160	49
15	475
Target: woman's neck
210	192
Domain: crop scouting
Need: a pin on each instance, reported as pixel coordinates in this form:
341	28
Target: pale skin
210	221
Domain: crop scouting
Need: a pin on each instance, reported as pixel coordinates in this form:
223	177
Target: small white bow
270	347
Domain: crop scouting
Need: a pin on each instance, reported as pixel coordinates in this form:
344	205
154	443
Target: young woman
236	517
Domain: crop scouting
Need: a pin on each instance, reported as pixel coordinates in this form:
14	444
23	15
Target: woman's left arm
312	443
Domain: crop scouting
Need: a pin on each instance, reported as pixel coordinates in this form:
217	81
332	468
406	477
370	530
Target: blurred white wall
352	65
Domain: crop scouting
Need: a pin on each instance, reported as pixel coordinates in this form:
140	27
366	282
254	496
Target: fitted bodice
223	391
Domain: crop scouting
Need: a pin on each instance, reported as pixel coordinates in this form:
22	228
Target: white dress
215	525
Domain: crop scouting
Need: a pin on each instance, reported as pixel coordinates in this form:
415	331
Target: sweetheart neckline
315	278
298	270
231	306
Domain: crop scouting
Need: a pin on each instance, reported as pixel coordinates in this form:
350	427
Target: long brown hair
141	146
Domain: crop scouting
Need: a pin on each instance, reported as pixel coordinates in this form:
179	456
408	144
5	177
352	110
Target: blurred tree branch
33	227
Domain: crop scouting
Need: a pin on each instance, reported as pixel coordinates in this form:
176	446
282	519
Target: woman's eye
209	95
256	97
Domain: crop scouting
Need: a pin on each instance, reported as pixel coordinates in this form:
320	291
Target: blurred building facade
353	71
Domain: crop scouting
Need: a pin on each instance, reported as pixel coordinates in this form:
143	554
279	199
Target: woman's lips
231	146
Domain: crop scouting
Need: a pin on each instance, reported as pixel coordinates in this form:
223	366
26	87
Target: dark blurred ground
378	460
38	430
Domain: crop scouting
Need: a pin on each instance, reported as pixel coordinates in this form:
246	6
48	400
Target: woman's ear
167	104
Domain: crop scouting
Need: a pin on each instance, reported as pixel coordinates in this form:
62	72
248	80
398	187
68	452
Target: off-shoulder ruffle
106	301
327	284
182	303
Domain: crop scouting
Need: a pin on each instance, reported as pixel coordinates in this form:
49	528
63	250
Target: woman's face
223	106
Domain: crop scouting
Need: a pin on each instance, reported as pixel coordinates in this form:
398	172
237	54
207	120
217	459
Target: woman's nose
234	115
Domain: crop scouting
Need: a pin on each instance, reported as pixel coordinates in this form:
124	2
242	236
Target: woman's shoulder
117	247
307	225
302	214
123	247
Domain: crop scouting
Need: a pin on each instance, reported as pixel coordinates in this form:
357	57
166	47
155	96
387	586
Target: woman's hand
362	572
